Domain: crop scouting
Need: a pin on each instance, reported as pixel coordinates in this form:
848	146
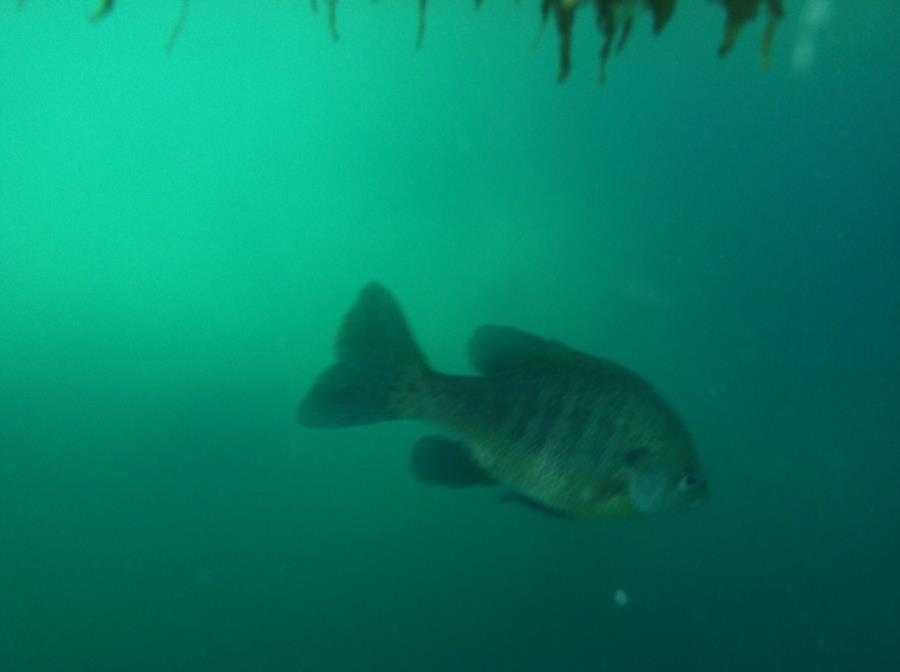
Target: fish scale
570	433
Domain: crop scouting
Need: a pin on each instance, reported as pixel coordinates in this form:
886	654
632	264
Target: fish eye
687	482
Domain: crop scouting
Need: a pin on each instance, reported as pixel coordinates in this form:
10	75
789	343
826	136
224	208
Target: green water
180	236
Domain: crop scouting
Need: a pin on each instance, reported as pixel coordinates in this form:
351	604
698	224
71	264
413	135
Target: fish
565	432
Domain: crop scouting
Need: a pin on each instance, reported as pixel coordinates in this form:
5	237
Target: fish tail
379	371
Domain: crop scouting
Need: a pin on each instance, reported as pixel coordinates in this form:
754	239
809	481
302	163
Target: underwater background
181	234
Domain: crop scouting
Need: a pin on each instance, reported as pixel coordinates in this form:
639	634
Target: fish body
574	434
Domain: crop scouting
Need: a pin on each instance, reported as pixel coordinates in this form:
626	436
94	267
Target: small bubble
620	597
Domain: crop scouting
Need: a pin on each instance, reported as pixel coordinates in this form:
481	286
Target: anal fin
534	505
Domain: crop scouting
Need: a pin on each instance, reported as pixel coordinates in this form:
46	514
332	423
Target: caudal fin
378	366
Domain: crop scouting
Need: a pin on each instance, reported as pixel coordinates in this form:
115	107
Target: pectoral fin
439	461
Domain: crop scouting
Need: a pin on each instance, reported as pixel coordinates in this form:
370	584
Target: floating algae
615	21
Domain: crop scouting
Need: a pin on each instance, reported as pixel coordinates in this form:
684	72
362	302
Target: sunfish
568	433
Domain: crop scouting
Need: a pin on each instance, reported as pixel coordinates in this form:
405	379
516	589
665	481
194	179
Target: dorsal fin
494	350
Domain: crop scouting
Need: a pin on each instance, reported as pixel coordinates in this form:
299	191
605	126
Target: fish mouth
698	498
700	494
